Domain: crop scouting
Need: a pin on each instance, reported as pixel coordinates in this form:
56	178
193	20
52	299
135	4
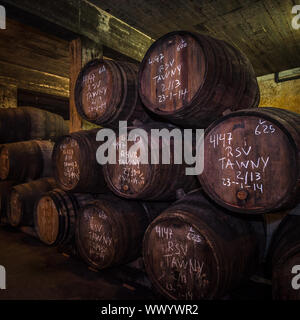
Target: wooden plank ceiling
36	61
261	29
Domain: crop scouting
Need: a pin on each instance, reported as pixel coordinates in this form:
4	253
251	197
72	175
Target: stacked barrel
192	249
27	135
200	236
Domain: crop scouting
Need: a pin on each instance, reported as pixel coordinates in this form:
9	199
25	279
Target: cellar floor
35	271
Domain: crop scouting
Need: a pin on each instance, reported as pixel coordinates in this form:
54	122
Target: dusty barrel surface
5	188
106	92
110	230
284	258
27	123
252	160
195	250
130	178
191	79
22	200
75	164
55	215
26	160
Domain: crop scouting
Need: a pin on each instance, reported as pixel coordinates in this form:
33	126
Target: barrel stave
195	250
31	123
192	79
75	165
24	161
55	216
104	236
246	160
23	198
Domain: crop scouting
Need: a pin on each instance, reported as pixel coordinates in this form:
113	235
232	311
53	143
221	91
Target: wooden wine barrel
22	199
131	178
75	164
5	188
55	215
284	258
27	123
191	79
272	222
107	92
195	250
110	230
28	160
252	160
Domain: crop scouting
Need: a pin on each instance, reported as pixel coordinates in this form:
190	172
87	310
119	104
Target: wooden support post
81	51
8	93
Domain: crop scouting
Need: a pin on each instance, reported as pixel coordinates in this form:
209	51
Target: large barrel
110	230
27	123
75	164
55	215
5	188
28	160
284	258
196	250
272	222
22	200
192	79
131	178
252	160
107	92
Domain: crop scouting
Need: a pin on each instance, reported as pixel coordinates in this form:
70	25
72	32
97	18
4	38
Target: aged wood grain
81	52
55	216
191	79
194	250
23	198
107	92
251	162
23	161
261	29
283	257
103	235
75	164
32	123
84	19
132	179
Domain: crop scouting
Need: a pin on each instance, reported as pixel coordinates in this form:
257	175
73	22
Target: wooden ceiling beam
84	19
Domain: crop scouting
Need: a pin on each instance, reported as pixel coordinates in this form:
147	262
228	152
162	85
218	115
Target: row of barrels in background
196	249
27	123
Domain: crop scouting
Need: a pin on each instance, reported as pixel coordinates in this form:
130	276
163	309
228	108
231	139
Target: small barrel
27	123
55	215
252	160
192	79
107	92
110	230
75	164
22	200
283	259
28	160
195	250
5	188
130	178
